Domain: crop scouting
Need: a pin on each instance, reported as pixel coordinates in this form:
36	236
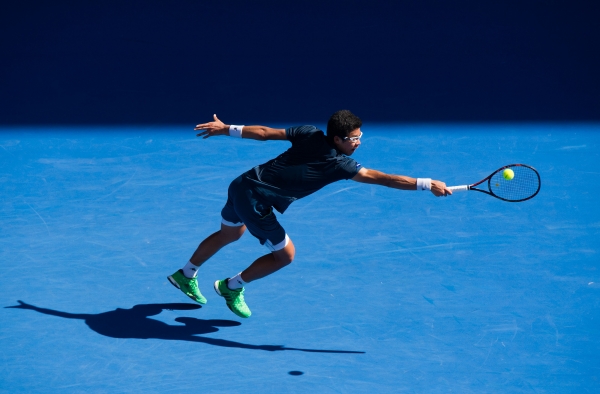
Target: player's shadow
135	323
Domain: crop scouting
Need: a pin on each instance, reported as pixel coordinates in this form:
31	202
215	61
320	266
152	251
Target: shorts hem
231	224
279	246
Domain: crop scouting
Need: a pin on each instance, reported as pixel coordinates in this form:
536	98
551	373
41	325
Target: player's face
349	144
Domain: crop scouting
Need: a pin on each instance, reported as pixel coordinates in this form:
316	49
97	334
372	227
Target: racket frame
489	179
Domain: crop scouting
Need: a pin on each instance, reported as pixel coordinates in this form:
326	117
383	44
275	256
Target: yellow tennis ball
508	174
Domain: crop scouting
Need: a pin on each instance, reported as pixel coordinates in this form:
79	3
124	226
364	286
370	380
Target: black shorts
245	207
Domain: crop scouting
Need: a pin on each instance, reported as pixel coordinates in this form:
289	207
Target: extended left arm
401	182
261	133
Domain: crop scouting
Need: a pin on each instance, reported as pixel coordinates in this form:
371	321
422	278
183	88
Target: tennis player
314	160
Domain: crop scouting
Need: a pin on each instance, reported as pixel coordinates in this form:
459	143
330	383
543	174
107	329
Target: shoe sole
174	283
216	286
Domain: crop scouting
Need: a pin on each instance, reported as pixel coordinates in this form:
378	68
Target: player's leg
269	263
262	223
228	233
185	278
232	228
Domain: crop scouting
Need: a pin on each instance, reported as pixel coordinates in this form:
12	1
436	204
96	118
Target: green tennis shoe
233	298
189	286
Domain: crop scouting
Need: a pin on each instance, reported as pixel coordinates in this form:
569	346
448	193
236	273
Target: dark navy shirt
310	164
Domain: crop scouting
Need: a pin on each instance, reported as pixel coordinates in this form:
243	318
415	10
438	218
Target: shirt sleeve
297	132
348	167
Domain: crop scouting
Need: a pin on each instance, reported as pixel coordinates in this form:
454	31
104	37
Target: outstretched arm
262	133
24	305
401	182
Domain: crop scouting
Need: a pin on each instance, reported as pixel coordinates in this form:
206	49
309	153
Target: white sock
190	270
236	282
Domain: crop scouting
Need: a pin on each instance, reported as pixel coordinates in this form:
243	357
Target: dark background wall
164	62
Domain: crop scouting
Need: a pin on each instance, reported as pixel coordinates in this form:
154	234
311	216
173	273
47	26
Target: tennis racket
524	185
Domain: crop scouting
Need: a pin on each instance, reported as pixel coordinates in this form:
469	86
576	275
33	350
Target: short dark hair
342	123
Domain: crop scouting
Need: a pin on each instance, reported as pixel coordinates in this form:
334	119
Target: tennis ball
508	174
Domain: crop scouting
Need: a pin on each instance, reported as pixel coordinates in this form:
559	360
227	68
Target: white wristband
423	183
235	131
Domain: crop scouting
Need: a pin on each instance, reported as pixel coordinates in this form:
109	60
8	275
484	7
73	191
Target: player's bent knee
283	258
286	253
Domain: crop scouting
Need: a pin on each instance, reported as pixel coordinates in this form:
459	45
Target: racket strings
525	184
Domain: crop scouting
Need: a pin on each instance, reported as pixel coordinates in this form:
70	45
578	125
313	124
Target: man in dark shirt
314	161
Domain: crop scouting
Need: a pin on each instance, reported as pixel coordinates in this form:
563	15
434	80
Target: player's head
342	123
343	130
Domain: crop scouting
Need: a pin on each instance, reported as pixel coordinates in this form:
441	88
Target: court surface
390	291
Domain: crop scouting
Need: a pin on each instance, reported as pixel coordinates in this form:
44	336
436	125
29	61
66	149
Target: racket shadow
134	323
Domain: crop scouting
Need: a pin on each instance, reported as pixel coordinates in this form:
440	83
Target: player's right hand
212	128
439	189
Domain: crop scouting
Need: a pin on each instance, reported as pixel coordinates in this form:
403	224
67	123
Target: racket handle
461	188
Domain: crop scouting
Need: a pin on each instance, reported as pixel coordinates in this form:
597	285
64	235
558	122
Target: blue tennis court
390	291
